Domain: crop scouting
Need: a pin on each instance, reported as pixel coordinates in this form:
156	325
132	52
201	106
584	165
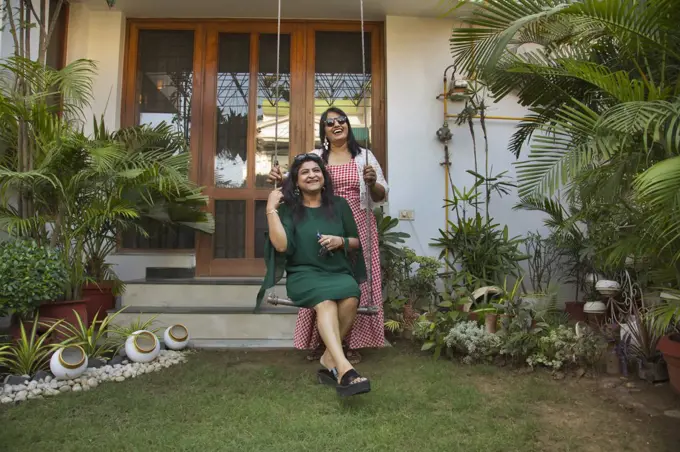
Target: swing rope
273	299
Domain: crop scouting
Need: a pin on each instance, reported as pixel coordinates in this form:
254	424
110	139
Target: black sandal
327	377
346	388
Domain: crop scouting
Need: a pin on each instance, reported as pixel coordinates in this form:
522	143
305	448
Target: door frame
302	130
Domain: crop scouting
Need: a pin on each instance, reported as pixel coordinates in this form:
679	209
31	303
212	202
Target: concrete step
213	327
199	292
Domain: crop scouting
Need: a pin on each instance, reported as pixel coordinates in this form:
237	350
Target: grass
269	401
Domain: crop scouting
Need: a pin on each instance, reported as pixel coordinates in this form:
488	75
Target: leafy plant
477	246
95	338
562	347
473	342
31	352
642	337
389	241
543	261
30	275
433	327
411	286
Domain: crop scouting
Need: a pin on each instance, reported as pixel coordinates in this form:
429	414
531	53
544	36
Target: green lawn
269	401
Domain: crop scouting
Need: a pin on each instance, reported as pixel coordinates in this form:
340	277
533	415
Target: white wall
99	36
417	53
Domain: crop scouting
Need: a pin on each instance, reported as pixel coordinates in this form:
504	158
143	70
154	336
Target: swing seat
275	300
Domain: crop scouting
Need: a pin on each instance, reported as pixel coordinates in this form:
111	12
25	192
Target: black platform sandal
346	388
327	377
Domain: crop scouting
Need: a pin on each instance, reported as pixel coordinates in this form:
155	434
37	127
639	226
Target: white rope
276	121
369	213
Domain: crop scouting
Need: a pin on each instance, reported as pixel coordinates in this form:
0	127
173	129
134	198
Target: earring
326	144
297	191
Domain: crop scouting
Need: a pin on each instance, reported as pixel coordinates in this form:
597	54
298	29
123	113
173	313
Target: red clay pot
574	310
44	324
670	347
64	310
99	299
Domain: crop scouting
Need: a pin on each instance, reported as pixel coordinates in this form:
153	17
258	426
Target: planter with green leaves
30	276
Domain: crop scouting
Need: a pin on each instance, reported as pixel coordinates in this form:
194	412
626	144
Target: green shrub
30	275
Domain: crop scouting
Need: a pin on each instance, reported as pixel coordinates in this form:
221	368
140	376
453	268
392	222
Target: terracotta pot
100	299
44	324
64	310
491	322
670	347
574	310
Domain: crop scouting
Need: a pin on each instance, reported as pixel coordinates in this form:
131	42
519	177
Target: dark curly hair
294	200
352	143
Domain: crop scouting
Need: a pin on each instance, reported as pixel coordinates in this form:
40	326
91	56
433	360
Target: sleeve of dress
380	176
275	261
349	225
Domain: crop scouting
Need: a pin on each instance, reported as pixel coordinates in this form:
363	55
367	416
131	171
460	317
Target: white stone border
90	379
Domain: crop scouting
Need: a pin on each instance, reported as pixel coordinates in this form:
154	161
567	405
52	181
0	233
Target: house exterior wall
417	51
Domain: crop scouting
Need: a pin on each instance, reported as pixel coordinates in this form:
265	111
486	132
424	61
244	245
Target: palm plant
600	78
85	190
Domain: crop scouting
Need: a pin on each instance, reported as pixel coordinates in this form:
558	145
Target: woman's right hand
275	175
274	200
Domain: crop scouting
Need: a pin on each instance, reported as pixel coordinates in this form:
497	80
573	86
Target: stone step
211	327
199	292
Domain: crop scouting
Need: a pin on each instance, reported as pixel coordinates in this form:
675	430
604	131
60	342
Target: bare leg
329	329
347	313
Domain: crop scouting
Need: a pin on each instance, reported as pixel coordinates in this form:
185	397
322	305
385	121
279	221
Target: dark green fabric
310	278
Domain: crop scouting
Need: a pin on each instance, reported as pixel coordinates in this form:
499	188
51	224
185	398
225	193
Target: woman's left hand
331	242
369	175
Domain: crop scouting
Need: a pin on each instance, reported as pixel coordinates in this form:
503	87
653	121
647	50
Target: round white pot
607	287
594	307
68	362
176	337
142	347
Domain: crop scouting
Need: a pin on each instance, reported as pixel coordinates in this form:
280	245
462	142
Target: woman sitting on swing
314	238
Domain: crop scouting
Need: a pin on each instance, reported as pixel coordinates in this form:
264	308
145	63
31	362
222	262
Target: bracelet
272	211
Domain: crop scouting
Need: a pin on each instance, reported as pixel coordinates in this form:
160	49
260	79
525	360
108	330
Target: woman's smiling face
310	177
336	127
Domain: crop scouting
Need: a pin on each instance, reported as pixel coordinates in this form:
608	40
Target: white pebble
86	387
92	383
36	392
53	384
9	389
20	397
48	379
127	374
31	396
77	388
6	400
32	385
119	379
65	388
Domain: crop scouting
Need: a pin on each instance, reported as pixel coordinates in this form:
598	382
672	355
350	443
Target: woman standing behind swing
352	178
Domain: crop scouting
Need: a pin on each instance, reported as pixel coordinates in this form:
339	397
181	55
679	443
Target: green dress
312	278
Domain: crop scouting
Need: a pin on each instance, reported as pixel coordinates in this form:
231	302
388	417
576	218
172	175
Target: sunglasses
340	120
307	156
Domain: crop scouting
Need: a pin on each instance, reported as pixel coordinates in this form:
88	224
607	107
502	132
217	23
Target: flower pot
100	299
44	324
670	347
142	347
594	307
653	371
65	310
491	322
574	310
176	337
607	287
68	362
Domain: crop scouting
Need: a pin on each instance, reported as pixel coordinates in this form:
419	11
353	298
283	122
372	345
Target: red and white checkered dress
368	330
